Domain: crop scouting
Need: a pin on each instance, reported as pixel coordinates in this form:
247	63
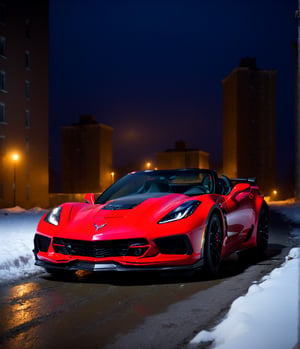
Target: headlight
180	212
53	216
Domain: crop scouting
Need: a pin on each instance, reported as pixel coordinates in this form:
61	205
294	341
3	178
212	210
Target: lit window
2	112
2	46
27	118
27	59
27	89
2	80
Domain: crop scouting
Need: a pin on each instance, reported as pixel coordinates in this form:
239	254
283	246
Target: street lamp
274	194
15	158
148	165
112	177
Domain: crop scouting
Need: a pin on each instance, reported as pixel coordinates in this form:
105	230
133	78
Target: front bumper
173	252
114	266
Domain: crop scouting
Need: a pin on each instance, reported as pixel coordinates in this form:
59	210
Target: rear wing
250	180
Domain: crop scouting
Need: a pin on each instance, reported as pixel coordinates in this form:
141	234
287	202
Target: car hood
130	216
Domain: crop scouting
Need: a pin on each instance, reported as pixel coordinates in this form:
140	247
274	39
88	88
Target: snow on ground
291	211
17	228
266	317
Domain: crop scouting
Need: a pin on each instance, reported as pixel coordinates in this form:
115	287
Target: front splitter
102	267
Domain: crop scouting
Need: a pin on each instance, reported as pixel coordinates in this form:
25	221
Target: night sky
152	70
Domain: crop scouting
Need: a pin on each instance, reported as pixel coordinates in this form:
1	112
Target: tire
213	245
262	235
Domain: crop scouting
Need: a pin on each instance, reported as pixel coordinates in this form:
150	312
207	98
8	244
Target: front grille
97	249
41	243
175	244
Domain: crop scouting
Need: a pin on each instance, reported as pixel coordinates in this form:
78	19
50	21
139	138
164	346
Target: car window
189	182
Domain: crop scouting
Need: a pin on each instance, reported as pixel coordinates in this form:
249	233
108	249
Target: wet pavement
126	310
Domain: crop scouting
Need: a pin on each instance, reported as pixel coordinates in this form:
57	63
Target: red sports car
182	219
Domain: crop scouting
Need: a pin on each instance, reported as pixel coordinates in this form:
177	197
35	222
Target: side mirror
90	198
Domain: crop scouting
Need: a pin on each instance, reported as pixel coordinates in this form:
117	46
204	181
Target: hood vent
129	202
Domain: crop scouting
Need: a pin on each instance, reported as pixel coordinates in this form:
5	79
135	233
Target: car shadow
128	278
238	262
235	264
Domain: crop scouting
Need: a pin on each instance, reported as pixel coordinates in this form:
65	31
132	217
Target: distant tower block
86	156
249	124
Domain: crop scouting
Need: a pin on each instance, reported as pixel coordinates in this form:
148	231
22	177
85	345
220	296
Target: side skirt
250	232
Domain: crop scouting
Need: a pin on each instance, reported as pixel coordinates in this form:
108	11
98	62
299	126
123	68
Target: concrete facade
24	103
182	157
249	124
86	156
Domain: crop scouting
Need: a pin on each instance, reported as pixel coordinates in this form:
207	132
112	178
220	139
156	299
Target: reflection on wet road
49	312
98	310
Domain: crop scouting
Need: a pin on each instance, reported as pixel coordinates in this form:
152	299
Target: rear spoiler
250	180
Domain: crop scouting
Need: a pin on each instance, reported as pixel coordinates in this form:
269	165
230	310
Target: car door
239	211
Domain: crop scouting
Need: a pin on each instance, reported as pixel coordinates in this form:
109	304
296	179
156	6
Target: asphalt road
94	311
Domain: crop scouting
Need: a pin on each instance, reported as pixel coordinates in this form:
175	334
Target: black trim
250	180
113	266
249	234
41	243
101	248
130	201
174	244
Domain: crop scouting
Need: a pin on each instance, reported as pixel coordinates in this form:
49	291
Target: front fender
215	209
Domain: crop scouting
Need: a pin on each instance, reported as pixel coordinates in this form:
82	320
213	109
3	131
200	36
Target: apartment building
249	124
23	103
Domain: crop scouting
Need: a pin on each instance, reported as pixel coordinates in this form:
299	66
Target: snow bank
266	317
17	228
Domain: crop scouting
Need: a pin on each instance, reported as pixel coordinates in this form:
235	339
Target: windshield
188	182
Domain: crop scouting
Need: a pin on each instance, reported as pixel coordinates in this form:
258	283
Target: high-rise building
24	103
182	157
86	156
249	124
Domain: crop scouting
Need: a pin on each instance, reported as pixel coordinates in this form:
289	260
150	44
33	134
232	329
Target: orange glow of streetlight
148	165
112	177
15	157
